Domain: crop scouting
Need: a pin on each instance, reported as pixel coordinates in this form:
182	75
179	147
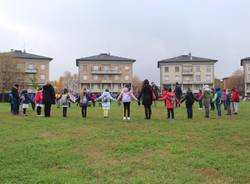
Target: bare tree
10	73
137	84
71	81
236	80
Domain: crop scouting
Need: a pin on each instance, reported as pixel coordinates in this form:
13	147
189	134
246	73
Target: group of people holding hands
149	94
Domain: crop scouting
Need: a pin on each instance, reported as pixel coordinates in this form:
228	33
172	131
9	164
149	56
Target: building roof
104	57
24	55
244	59
186	59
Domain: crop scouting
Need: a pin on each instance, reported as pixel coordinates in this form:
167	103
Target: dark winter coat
48	94
15	95
189	99
146	95
178	92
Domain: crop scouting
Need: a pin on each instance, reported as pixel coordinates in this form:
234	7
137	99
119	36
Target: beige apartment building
34	67
246	68
189	71
105	71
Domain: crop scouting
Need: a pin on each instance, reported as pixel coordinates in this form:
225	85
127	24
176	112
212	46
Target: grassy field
96	150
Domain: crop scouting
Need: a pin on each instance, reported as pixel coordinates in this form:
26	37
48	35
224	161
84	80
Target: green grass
96	150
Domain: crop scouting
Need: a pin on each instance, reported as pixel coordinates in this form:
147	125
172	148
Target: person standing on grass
206	96
228	101
178	92
164	93
217	100
199	97
65	101
48	98
189	100
38	99
211	100
105	101
235	100
147	98
155	90
16	99
11	101
172	102
224	99
25	99
126	96
84	100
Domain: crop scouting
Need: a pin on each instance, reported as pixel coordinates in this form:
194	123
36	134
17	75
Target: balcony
188	82
187	72
106	72
31	71
107	81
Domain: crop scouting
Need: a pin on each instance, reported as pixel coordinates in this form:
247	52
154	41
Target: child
84	100
235	100
228	102
105	101
189	98
11	101
38	101
199	97
25	99
224	99
64	101
171	103
126	95
217	100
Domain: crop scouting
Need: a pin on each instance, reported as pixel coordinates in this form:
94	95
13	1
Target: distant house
189	71
246	69
34	67
105	71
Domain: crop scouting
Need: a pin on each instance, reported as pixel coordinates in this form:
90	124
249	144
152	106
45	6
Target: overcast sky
146	30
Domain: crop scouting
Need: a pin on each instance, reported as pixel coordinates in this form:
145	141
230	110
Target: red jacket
38	99
235	96
171	100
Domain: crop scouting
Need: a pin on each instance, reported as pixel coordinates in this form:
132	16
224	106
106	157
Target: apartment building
189	71
34	67
246	68
105	71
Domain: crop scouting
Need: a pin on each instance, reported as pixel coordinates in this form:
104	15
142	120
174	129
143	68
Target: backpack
105	99
64	99
84	101
172	99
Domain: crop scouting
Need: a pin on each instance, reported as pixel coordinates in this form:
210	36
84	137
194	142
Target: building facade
189	71
246	69
34	67
105	71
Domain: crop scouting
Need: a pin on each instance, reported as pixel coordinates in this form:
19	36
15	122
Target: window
126	77
166	77
106	68
177	78
187	78
95	86
85	68
117	77
198	78
197	68
106	77
249	77
42	67
85	77
42	77
95	77
126	67
166	69
116	86
177	69
19	66
208	78
187	69
208	68
115	68
248	68
96	68
31	67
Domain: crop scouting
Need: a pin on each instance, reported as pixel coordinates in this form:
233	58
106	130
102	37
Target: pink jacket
38	97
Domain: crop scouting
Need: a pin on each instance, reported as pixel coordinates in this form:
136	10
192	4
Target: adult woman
147	97
48	98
